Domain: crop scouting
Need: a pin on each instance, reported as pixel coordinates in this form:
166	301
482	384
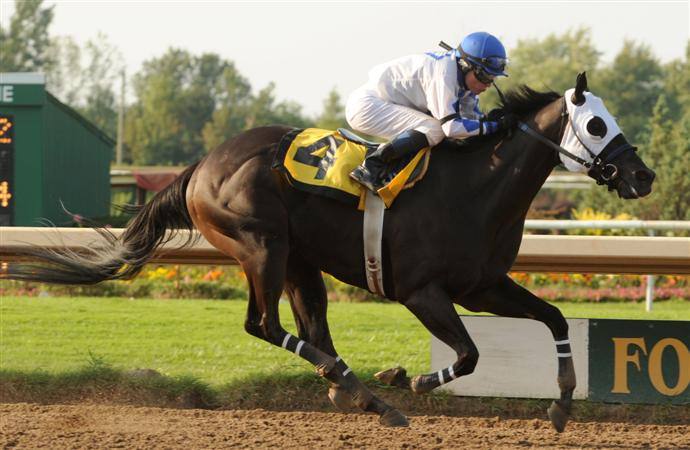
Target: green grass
201	338
205	339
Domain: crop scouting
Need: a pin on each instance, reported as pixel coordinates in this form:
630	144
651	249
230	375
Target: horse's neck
520	167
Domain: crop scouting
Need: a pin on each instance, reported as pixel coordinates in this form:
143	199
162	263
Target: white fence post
649	295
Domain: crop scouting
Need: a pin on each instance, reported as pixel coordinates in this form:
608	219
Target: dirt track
25	425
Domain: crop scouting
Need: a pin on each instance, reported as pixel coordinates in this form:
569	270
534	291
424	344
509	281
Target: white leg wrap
299	347
451	372
286	339
563	348
440	377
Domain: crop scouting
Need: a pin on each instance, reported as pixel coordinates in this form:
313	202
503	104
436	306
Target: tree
551	63
233	100
25	44
155	131
185	106
631	87
677	84
85	78
241	111
667	152
333	114
64	79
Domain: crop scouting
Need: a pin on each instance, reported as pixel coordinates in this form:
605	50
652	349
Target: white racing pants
367	112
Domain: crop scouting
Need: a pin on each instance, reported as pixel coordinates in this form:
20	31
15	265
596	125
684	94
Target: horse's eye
596	127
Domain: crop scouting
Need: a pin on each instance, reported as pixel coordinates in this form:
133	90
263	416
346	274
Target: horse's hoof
393	418
420	385
396	376
558	416
340	398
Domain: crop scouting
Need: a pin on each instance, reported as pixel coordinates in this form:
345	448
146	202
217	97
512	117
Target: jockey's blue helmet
484	52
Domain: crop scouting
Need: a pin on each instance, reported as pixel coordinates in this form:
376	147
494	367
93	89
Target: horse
450	240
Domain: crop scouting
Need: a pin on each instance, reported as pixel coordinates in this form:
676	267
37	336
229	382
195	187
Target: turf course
205	339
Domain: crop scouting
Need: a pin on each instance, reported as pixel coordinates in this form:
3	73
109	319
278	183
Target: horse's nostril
644	175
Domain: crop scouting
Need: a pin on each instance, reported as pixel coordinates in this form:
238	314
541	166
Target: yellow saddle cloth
320	161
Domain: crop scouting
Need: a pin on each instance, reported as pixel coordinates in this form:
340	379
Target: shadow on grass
99	382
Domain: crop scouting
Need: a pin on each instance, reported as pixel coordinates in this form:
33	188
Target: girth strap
373	232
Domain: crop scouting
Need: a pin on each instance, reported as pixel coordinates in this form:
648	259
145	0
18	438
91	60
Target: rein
600	167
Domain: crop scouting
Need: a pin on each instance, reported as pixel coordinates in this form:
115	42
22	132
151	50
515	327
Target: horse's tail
114	257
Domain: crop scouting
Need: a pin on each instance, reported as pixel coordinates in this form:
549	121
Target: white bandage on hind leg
292	344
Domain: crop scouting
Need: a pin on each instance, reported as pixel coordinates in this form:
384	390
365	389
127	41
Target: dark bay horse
451	239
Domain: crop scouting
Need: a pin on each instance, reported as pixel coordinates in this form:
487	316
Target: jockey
416	101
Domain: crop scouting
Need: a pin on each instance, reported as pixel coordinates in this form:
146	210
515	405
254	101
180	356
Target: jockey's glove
495	114
507	123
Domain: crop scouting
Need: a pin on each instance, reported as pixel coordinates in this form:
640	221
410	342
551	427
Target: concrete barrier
622	361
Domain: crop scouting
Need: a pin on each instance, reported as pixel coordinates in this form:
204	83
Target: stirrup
363	176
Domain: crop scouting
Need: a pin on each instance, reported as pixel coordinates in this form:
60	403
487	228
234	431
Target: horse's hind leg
508	299
266	273
308	299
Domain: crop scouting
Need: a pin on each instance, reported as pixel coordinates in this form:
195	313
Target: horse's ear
578	97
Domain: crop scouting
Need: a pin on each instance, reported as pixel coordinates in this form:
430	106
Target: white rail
650	226
534	224
538	253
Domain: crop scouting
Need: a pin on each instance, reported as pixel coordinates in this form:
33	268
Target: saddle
320	161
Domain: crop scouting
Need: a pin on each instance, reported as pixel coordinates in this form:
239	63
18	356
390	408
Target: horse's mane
523	100
520	101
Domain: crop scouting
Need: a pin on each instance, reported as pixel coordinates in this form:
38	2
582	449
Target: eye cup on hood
596	127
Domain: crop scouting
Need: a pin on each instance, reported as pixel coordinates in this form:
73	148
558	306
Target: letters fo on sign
628	351
639	361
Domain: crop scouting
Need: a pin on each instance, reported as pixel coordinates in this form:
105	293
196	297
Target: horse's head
593	135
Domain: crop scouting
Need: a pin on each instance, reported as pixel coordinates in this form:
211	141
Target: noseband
601	167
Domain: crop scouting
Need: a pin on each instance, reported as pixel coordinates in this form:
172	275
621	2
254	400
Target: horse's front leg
434	308
507	298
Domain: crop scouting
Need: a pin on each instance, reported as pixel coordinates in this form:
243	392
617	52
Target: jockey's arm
443	104
460	128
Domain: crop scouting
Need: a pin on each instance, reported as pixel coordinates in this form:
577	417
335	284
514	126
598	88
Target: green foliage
25	44
548	64
187	105
631	87
677	84
175	100
333	115
671	147
668	153
82	78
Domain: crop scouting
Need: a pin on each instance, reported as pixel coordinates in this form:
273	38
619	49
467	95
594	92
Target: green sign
22	94
642	361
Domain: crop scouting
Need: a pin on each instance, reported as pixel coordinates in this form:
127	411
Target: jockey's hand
508	123
495	114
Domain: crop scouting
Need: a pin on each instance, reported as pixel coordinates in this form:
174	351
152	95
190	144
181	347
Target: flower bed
229	282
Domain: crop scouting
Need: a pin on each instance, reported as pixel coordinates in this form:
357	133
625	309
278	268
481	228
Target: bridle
601	167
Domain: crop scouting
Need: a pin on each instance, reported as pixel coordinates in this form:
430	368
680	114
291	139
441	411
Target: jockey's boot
371	171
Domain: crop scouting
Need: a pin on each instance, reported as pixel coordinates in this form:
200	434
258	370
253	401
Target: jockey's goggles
492	65
482	75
